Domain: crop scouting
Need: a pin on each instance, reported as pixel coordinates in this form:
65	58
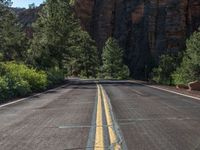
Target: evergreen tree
50	43
167	65
60	42
84	59
112	56
189	69
12	39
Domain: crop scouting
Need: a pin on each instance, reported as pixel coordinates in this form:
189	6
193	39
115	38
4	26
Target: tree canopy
113	66
12	39
189	69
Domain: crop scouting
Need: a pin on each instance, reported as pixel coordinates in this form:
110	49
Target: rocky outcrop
144	28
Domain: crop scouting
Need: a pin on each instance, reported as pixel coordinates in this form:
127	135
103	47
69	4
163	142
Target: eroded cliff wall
145	28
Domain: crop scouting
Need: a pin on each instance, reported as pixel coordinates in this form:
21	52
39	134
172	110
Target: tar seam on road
97	134
90	142
116	139
103	109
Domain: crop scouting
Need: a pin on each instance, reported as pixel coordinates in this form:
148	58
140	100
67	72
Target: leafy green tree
60	42
12	39
189	69
50	43
84	57
167	65
113	66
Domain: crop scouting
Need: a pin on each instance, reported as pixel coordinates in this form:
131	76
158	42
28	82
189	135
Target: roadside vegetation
19	80
58	48
180	69
113	66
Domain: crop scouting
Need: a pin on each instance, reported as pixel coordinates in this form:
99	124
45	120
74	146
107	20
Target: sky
25	3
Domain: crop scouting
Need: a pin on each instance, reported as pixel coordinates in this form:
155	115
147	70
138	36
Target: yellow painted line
99	138
112	133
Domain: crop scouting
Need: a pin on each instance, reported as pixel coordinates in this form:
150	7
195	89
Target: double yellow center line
103	102
99	138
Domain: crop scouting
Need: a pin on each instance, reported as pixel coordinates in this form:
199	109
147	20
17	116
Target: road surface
101	115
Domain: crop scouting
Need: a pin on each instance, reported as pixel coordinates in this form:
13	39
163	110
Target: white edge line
162	89
38	94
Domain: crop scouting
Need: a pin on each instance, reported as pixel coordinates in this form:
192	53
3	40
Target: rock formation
144	28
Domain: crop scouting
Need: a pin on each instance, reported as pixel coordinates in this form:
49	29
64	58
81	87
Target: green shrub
17	86
37	80
167	65
19	80
124	73
55	76
3	89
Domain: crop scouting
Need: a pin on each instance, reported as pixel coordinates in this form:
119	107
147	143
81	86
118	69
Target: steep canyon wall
144	28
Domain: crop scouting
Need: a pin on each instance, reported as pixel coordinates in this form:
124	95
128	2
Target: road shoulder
171	89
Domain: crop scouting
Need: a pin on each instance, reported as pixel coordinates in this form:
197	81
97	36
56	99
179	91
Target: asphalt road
101	115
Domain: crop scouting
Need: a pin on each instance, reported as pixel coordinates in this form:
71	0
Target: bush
36	79
124	73
55	76
3	88
167	65
11	87
21	75
19	80
17	86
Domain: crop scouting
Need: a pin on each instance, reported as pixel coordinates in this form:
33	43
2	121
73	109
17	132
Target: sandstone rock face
84	12
145	28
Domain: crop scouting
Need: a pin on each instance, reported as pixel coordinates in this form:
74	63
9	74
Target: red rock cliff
145	28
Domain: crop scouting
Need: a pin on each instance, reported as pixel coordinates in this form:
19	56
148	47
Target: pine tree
84	59
112	56
50	43
167	65
189	69
60	42
12	39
